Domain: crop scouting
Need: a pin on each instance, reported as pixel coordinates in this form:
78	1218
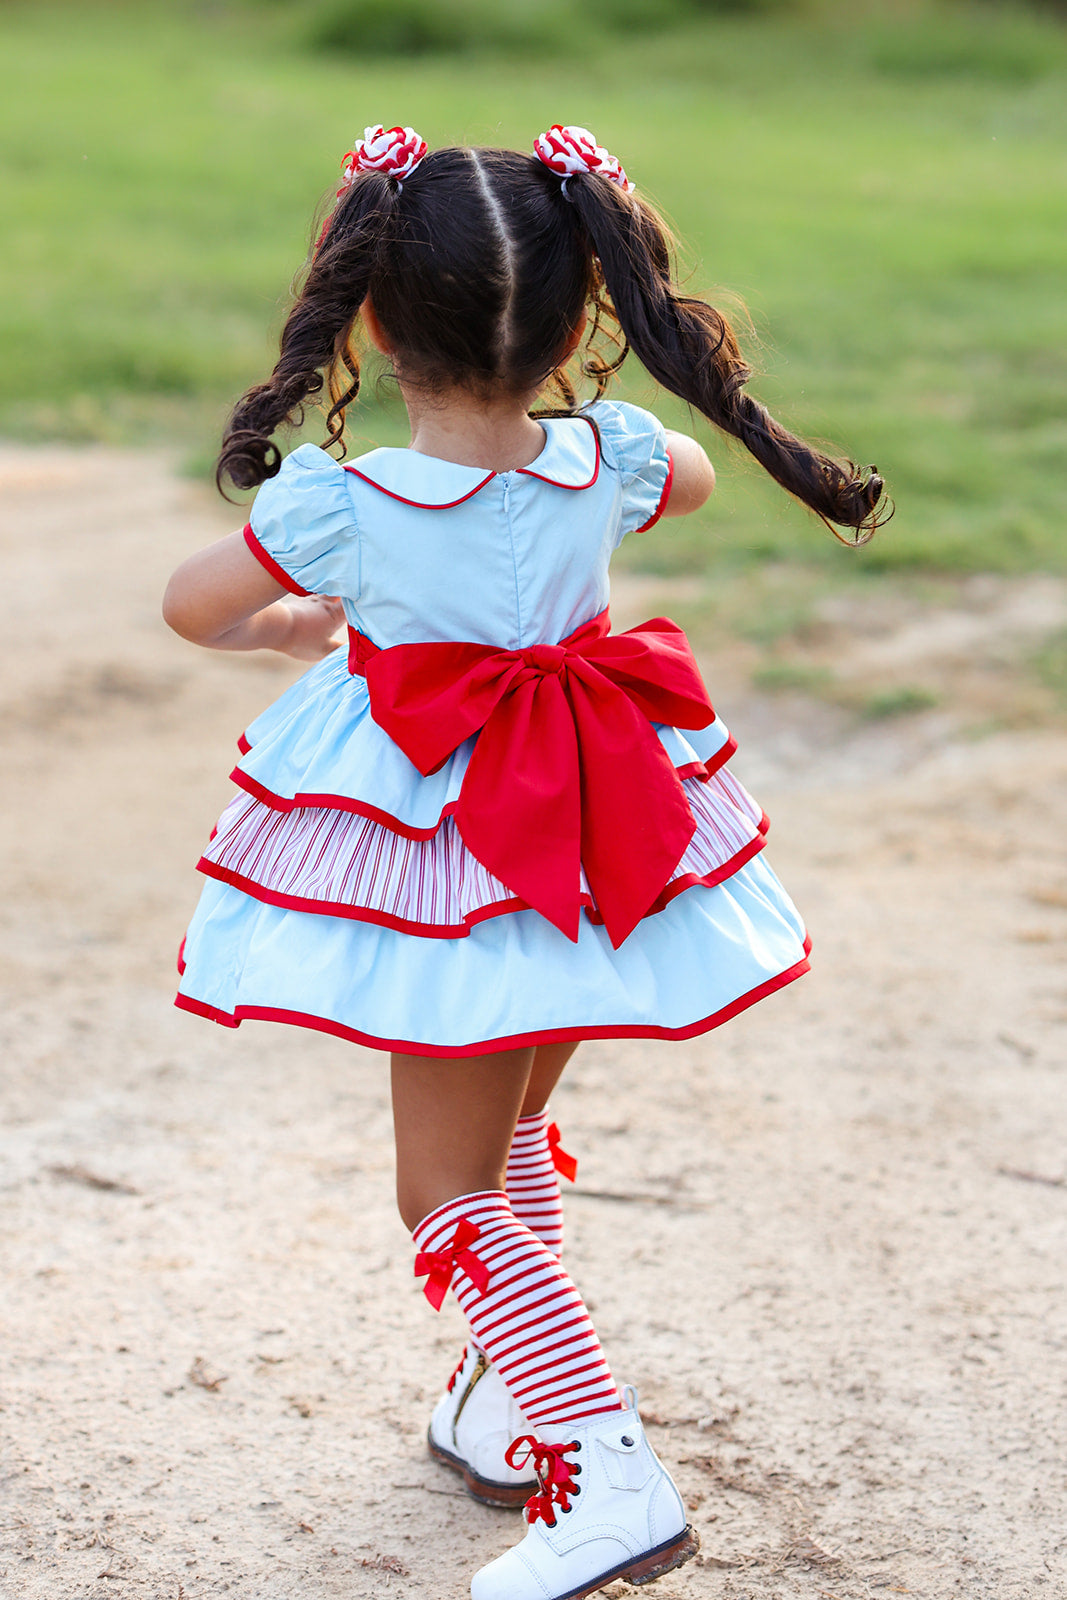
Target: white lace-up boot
606	1509
472	1425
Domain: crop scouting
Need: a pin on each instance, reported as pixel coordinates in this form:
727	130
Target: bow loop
565	1164
440	1265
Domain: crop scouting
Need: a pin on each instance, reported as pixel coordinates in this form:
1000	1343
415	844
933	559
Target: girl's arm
222	598
694	476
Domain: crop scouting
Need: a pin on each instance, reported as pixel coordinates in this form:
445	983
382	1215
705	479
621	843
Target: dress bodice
422	549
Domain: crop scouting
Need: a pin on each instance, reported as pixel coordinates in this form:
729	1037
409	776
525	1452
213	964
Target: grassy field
885	192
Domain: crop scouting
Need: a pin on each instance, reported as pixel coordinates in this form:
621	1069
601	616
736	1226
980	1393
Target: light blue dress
340	895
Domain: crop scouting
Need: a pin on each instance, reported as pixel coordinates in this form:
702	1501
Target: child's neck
496	434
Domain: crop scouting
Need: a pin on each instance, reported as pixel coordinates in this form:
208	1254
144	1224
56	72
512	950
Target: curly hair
479	272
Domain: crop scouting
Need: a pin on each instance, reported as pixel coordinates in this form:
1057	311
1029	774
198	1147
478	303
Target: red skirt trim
362	808
461	930
483	1047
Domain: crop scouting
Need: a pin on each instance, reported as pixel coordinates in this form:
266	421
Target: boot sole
503	1496
647	1568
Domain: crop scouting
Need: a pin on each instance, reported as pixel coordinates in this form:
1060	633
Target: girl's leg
454	1126
605	1508
549	1061
534	1161
479	1106
454	1121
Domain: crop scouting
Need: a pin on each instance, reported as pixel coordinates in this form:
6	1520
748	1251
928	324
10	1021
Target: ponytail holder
394	152
568	151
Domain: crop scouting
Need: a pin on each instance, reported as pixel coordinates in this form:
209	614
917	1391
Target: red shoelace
554	1474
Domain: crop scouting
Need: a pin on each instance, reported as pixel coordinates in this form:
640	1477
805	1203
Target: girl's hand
315	621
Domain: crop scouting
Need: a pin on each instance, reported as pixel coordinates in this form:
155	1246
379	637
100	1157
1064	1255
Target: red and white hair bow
396	152
572	150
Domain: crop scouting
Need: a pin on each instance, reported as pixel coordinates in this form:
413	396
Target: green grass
898	702
886	194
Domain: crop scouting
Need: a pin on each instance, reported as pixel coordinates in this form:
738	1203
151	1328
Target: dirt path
827	1242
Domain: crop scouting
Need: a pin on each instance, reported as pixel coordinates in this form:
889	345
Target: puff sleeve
635	447
303	526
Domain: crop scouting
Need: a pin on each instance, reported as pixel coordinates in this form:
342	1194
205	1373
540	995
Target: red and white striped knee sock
535	1162
523	1309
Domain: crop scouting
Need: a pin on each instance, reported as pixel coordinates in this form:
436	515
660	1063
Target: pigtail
690	348
315	346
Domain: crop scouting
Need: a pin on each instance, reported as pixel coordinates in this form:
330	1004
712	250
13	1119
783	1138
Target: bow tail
519	810
636	821
565	1164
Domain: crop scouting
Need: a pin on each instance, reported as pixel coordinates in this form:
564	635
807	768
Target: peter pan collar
570	460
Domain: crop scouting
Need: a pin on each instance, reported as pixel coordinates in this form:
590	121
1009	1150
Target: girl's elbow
692	486
702	490
182	615
173	610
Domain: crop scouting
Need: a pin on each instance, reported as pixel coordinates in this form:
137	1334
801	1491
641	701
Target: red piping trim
361	808
496	908
483	1047
337	802
423	505
244	744
181	958
337	908
267	561
530	473
665	494
447	505
692	880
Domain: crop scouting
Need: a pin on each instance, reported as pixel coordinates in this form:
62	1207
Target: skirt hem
479	1047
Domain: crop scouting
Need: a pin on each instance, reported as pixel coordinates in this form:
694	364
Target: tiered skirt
341	897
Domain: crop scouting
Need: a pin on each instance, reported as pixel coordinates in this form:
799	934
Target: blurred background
882	185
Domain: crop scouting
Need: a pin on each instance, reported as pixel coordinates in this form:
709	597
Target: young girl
489	827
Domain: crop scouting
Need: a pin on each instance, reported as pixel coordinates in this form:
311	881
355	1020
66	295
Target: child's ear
375	332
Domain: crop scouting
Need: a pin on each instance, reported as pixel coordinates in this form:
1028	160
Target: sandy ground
827	1242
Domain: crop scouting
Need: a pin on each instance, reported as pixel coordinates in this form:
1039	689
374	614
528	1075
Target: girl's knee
419	1193
411	1204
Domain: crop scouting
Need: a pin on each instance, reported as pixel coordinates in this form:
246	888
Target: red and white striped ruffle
339	863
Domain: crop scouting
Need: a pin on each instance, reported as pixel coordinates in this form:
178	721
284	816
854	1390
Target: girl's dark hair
479	270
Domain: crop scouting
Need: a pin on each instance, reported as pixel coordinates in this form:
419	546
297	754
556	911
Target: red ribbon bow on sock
554	1474
441	1264
567	770
564	1163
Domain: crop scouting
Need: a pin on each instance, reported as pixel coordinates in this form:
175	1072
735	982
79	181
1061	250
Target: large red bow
567	770
441	1264
566	1165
